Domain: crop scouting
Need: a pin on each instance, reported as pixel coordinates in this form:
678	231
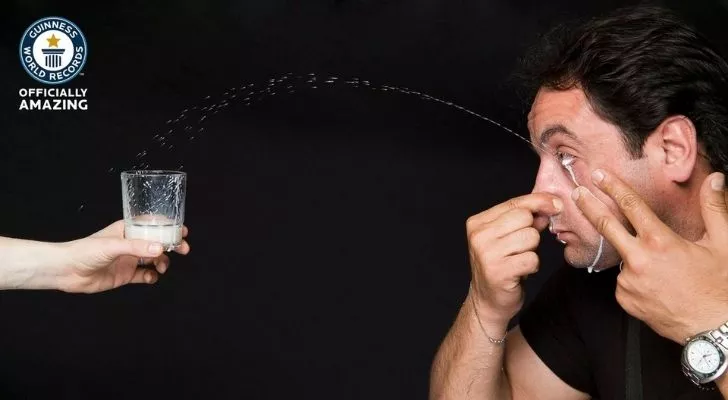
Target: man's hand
106	260
501	242
677	287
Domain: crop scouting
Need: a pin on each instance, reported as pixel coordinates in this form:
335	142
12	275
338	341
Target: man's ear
675	145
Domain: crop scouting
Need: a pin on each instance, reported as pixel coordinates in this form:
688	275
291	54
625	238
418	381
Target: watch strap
720	337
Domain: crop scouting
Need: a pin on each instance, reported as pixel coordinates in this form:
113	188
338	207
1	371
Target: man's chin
578	258
583	260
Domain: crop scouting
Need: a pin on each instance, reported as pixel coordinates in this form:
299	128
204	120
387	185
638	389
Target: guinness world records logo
53	50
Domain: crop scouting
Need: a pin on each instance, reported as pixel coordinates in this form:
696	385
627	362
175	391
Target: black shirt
578	329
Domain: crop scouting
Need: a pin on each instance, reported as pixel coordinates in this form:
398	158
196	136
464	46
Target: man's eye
565	159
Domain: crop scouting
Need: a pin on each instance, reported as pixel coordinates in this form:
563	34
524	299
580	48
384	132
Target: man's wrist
722	384
29	264
494	327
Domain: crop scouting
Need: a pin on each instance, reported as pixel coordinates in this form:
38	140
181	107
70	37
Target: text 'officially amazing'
52	99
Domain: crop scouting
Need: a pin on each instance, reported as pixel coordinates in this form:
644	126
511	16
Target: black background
327	226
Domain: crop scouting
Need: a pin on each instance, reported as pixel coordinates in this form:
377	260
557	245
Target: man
102	261
630	121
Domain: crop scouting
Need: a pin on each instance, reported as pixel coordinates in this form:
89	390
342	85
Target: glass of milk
154	205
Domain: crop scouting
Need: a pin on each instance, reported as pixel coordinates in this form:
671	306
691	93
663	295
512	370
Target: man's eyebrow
557	129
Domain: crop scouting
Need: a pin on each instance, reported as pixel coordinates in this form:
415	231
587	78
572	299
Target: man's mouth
562	235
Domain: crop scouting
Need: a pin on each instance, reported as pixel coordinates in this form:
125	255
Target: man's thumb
132	247
713	206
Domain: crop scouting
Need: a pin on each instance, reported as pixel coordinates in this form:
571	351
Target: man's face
564	127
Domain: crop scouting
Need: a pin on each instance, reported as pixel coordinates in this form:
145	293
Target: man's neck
687	221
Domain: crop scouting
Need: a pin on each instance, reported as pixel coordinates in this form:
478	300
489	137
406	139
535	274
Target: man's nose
546	180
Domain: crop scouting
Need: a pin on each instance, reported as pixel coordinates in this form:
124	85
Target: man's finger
161	263
713	207
639	214
534	202
510	221
602	218
523	264
143	275
517	242
183	248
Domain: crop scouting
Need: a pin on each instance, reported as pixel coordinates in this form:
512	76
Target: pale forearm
467	365
28	264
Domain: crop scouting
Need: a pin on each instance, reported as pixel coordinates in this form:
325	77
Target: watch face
703	356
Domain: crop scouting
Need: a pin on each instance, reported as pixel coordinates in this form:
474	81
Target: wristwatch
705	355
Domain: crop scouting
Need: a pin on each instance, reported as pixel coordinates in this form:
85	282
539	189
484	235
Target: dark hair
638	66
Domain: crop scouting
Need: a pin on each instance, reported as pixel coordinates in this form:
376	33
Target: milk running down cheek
568	164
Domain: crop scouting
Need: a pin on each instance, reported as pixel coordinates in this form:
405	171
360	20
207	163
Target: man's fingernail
718	182
597	175
162	267
576	193
155	248
558	204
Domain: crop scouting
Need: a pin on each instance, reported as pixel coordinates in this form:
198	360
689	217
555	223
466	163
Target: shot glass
154	205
